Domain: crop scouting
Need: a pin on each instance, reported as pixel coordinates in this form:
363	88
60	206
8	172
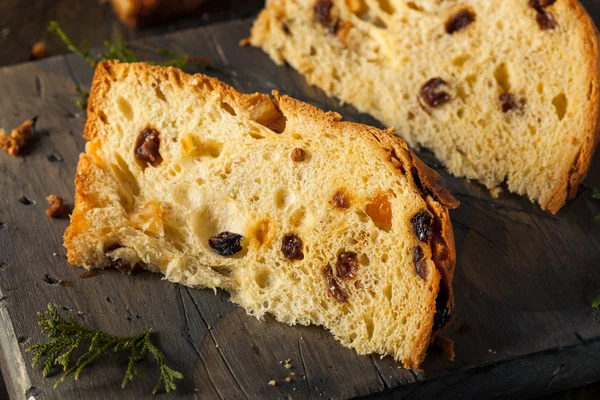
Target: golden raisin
380	211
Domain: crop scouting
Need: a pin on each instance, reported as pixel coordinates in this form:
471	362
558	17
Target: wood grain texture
524	282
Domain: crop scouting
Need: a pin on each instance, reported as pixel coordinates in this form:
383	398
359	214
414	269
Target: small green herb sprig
121	52
596	302
68	336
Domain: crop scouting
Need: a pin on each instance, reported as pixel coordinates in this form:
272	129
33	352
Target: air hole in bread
125	108
386	6
410	116
362	216
460	60
363	259
283	198
471	80
297	136
387	292
385	257
263	278
540	87
413	6
369	327
193	146
501	75
297	217
560	104
227	107
160	94
103	117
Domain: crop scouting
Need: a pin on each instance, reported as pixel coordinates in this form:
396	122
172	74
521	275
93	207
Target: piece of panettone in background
138	13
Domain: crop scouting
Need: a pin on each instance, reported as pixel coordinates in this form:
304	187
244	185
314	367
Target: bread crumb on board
56	206
18	137
38	50
272	383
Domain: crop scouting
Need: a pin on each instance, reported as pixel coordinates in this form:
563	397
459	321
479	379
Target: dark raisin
112	247
441	317
459	21
422	225
226	243
346	265
537	4
431	93
147	147
510	103
291	247
333	287
124	267
298	154
545	20
340	200
418	260
322	13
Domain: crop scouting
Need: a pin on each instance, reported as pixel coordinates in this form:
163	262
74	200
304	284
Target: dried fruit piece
124	267
291	247
346	265
149	218
340	200
441	317
460	21
56	208
226	243
38	50
298	154
333	287
323	15
418	256
510	103
541	3
380	211
432	94
545	20
422	225
147	147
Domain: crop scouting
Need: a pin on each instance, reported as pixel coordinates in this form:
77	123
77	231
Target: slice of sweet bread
500	91
293	211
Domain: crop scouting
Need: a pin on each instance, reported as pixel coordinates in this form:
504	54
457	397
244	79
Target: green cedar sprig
68	336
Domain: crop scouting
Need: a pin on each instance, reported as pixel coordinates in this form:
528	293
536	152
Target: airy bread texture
516	99
342	225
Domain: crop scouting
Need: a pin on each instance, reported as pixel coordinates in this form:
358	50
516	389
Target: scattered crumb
288	365
80	313
209	327
217	346
292	373
56	208
244	42
18	137
495	192
38	50
272	383
5	32
54	254
288	379
280	362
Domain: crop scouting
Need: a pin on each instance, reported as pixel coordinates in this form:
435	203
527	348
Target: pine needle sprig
68	336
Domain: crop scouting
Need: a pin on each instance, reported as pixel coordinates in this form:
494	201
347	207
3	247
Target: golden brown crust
578	170
401	160
138	13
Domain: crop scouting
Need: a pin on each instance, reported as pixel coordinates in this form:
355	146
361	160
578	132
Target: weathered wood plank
525	279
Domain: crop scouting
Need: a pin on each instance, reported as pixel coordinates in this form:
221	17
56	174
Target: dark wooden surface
23	23
525	279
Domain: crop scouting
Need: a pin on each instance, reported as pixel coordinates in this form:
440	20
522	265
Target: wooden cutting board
524	284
